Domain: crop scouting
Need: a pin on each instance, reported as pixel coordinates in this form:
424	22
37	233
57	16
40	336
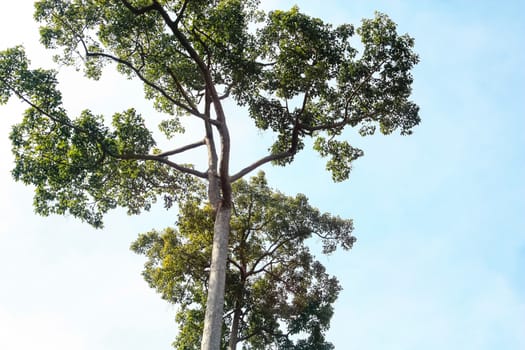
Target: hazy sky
440	215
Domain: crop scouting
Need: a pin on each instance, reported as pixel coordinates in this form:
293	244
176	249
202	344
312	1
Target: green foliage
79	166
312	62
283	296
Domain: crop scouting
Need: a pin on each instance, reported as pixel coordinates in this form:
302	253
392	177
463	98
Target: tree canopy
278	295
180	49
291	73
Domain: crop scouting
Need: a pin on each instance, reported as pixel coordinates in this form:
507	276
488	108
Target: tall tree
277	292
295	75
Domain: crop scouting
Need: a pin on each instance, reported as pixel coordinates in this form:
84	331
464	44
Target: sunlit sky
440	215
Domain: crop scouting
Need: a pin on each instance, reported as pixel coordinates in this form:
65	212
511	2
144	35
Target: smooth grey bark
211	338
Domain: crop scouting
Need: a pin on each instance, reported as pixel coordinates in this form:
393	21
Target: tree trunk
212	332
235	330
211	336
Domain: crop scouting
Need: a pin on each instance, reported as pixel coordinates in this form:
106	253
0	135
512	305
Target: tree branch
272	157
56	119
182	149
227	92
268	253
151	84
181	13
178	34
139	10
345	120
260	162
181	89
237	265
162	160
213	187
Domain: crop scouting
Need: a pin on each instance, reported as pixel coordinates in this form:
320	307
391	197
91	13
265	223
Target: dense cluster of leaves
79	165
278	295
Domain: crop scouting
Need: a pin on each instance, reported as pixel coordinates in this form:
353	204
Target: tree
293	74
276	290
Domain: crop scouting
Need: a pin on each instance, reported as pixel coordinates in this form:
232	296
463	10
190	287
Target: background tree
277	292
295	75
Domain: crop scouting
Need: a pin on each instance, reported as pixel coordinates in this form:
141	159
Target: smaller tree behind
278	295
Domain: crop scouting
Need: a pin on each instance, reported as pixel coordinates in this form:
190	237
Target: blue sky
440	215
